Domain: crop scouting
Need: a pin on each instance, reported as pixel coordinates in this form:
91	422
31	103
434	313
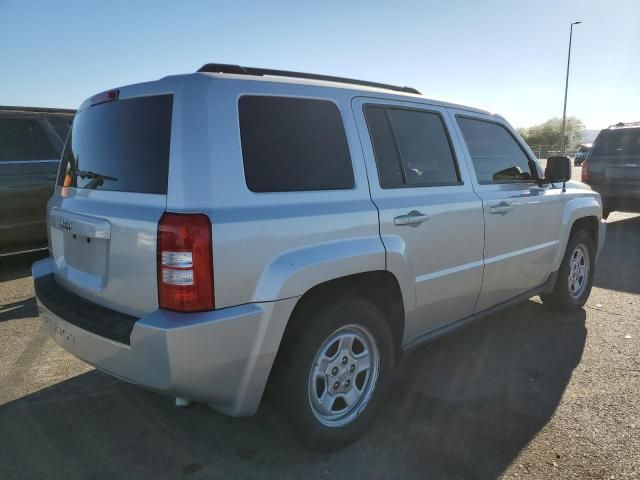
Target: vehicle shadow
18	266
21	309
462	407
619	261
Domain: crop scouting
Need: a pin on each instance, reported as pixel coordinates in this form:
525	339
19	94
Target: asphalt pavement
527	393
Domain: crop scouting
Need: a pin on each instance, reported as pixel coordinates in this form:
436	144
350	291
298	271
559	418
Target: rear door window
22	139
121	145
411	148
496	156
293	144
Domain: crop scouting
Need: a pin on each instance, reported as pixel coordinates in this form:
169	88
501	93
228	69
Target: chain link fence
546	151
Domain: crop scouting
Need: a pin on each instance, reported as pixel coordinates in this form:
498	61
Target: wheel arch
588	224
380	287
579	213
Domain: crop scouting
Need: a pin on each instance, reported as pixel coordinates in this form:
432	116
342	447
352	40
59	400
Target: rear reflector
185	263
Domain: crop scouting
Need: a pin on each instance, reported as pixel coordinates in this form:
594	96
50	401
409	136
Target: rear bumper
619	196
221	357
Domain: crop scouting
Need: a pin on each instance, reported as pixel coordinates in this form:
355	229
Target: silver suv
239	233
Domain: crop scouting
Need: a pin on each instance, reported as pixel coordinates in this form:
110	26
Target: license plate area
85	253
81	259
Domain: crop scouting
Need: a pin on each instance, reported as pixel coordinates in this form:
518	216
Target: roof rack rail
239	70
625	124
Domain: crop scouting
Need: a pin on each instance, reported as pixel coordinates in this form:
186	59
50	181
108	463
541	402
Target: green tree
549	132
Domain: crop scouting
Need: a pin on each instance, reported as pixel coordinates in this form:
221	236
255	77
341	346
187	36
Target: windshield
623	141
121	146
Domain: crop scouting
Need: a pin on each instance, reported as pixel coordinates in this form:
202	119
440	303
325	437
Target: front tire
575	277
333	373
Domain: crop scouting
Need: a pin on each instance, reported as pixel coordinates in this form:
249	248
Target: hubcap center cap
343	370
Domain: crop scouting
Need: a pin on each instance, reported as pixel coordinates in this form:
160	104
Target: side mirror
558	170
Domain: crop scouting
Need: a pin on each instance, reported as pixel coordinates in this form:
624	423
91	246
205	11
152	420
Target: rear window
623	141
22	139
121	146
293	144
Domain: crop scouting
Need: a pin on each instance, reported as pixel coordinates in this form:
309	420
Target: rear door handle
501	209
413	219
51	176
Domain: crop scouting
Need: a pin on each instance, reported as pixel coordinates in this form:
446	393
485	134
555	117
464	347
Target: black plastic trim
83	314
433	335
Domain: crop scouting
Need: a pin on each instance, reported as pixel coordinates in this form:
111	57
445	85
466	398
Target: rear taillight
185	263
585	171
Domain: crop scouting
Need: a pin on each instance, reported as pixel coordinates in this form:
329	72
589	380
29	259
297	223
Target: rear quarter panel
268	246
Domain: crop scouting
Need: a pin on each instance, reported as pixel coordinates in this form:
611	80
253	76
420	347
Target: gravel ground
526	393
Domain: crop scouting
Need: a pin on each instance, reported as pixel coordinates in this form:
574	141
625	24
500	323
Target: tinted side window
411	148
293	144
23	139
496	155
384	146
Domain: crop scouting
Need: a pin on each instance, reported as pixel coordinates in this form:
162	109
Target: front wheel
334	373
575	277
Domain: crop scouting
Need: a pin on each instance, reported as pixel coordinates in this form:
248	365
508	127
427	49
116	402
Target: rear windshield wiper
97	178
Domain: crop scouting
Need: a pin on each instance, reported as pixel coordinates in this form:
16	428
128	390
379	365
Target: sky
508	57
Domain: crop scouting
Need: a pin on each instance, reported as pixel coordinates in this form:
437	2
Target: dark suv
612	167
31	141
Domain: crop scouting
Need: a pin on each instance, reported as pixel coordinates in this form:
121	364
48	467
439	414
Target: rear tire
575	277
325	401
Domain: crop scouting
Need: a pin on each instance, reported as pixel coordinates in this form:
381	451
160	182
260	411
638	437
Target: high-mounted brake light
104	97
584	175
185	263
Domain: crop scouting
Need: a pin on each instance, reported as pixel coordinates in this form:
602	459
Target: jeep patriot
240	233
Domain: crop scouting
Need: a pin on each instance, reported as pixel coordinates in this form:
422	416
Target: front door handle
413	219
501	209
51	176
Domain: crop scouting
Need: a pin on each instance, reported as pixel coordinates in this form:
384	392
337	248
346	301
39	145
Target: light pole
566	88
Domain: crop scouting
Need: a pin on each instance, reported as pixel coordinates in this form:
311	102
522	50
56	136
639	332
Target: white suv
238	231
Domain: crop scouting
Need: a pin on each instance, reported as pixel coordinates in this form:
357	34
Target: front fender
294	272
575	209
